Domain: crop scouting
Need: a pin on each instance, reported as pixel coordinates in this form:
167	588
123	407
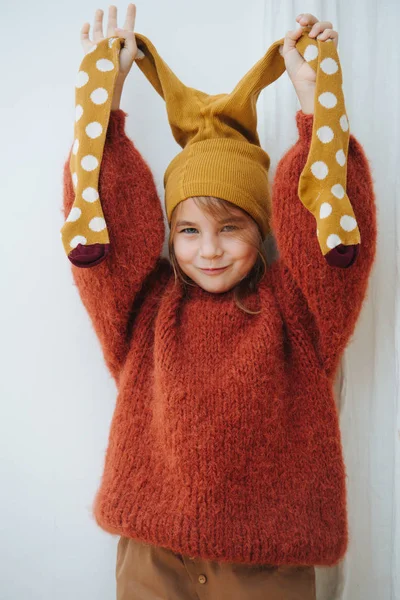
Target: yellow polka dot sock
221	124
322	184
84	234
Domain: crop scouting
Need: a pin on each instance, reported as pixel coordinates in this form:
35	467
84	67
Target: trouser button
202	578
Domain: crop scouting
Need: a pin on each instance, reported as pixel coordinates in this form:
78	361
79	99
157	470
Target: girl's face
200	243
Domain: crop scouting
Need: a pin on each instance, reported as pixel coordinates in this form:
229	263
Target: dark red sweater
224	442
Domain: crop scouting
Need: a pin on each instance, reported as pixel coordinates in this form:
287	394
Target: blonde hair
219	209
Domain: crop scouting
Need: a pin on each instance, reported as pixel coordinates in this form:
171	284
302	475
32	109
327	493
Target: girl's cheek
238	247
183	248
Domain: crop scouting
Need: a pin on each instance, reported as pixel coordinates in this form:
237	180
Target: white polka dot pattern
322	184
94	87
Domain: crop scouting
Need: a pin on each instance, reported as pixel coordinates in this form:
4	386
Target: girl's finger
130	17
130	40
112	20
98	25
85	31
318	27
291	38
307	19
327	33
86	43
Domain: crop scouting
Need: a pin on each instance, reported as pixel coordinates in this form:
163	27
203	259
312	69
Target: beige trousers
145	572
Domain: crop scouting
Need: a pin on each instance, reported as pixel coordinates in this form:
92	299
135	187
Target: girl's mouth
213	271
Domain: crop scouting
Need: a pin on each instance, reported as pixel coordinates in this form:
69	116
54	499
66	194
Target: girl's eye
232	227
187	229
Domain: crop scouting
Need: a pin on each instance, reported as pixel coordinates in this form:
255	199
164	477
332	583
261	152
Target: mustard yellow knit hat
221	153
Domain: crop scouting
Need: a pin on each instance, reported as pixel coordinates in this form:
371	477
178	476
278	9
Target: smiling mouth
213	271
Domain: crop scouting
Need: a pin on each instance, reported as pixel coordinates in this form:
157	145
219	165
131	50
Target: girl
224	475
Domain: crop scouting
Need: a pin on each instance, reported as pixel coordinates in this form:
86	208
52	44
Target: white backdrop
57	397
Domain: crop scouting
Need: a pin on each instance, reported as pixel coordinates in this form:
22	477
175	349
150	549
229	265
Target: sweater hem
178	534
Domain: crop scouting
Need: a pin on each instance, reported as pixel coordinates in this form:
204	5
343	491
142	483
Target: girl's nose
210	249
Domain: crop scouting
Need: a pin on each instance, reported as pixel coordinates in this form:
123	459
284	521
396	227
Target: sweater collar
195	292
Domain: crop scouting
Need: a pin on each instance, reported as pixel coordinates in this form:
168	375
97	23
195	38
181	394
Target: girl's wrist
306	98
116	99
305	94
307	109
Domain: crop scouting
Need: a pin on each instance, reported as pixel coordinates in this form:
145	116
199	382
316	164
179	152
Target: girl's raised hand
129	51
300	73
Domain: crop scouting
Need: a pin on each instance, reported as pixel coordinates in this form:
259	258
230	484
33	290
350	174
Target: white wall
57	397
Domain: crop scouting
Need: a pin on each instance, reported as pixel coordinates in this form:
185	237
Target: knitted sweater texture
224	442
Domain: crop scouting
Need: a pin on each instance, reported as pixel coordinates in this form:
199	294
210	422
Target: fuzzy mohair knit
224	442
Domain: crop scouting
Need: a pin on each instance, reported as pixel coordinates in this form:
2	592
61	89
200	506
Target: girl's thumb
130	42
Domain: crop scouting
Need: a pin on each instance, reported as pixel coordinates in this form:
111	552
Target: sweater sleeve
332	289
135	222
